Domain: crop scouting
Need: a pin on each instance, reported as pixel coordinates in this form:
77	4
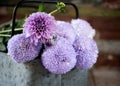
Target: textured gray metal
34	74
75	78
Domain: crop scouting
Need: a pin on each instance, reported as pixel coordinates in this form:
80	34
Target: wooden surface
104	76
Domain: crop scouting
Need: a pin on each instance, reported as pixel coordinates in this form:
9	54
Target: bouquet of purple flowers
66	44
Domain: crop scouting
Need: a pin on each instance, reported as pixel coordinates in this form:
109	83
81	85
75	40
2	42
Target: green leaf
1	39
41	8
2	47
6	39
60	5
20	23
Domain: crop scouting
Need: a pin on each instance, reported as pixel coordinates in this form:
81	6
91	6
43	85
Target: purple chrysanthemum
83	28
21	49
65	30
39	25
59	58
87	52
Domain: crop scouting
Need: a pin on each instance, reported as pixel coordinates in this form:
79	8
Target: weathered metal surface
34	74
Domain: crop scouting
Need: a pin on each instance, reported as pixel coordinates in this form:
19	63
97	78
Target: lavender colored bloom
83	28
39	25
21	49
59	58
65	30
87	52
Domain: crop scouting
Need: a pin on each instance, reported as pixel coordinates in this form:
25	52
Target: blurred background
103	15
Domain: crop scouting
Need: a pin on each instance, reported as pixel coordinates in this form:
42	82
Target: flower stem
5	35
4	31
54	11
60	6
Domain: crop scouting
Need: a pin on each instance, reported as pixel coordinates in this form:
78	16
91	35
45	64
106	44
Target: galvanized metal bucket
34	74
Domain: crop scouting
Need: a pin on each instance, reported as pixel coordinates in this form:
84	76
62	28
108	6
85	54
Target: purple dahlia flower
65	30
83	28
21	49
87	52
39	25
59	58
